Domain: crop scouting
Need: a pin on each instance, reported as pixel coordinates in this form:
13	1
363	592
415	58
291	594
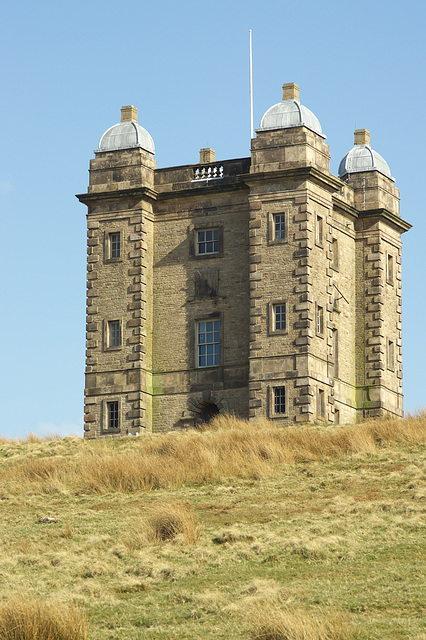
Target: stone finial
207	155
129	114
362	136
290	91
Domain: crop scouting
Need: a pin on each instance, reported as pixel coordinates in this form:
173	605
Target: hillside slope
243	531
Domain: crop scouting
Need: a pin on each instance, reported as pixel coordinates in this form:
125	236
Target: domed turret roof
128	134
363	158
289	113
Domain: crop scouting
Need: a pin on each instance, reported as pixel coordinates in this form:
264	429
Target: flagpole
251	87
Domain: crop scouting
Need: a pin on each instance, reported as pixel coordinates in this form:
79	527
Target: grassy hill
241	531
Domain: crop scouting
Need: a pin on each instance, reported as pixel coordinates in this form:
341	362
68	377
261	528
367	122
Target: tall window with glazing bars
208	343
279	227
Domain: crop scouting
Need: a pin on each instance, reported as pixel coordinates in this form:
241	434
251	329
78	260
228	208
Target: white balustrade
208	173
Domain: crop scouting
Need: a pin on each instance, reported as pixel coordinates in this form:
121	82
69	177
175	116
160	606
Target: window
334	254
115	245
114	333
208	343
319	232
321	403
279	227
391	355
112	415
277	314
280	321
336	416
207	242
279	400
336	352
319	320
389	269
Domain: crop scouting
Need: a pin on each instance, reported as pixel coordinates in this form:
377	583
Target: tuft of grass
24	618
67	530
269	622
167	521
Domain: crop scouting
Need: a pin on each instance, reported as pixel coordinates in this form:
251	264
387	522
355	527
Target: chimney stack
207	155
290	91
129	114
362	136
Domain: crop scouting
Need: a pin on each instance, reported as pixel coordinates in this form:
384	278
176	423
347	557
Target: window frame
271	227
334	248
207	254
272	317
335	346
273	413
106	405
107	336
390	354
390	269
319	230
319	320
320	404
217	352
108	242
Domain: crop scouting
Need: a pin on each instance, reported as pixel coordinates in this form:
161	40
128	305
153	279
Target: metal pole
251	88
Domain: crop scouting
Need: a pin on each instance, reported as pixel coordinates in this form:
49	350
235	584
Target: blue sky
66	71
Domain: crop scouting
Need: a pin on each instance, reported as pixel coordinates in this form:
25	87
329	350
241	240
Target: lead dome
128	134
363	158
289	113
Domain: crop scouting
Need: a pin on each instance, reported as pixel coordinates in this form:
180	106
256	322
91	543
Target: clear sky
67	68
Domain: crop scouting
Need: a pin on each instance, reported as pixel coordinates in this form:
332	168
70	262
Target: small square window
207	242
319	320
113	421
208	343
115	245
279	227
279	400
319	232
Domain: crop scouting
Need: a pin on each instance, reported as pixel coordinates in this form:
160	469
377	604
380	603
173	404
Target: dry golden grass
228	448
168	521
165	522
178	536
24	618
269	622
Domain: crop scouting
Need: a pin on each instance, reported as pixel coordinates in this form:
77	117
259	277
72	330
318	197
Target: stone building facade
261	286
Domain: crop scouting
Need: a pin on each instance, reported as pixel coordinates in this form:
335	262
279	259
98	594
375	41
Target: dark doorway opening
208	411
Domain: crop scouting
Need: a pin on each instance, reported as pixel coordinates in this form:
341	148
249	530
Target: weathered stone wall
336	269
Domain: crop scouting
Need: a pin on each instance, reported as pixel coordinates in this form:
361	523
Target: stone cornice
344	206
139	192
326	180
397	222
216	185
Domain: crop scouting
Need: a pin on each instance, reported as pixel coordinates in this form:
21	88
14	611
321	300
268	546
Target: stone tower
119	279
263	286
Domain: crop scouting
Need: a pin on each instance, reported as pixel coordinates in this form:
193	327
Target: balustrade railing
208	173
